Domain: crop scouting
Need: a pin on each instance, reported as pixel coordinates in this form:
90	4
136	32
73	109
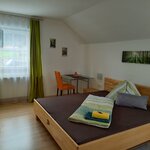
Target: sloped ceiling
46	8
113	20
94	20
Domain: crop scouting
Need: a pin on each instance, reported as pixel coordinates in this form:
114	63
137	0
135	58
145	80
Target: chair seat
67	86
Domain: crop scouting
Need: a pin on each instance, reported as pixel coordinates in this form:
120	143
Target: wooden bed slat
109	83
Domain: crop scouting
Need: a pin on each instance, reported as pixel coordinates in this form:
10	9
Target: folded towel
88	116
101	115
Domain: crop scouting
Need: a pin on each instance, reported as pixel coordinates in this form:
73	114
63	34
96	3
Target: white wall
52	58
106	58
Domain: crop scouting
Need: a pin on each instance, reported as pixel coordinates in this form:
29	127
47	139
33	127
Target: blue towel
88	116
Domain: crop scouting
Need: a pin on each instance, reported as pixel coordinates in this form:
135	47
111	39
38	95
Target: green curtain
36	80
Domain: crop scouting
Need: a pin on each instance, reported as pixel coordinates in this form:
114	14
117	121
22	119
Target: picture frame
64	51
53	43
138	57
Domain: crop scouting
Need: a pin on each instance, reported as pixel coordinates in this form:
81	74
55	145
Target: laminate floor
19	130
144	146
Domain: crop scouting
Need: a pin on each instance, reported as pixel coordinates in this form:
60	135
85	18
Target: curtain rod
22	15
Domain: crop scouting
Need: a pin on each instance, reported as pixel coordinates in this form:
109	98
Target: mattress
61	107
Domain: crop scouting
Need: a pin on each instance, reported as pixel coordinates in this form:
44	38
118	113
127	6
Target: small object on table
76	74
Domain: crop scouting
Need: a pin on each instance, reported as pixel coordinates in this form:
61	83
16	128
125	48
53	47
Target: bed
53	112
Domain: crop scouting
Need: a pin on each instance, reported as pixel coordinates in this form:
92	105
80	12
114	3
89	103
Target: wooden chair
62	86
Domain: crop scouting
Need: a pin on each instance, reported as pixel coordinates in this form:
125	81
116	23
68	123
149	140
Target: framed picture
140	57
64	51
53	43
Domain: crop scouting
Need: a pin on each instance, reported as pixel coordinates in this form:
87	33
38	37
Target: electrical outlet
99	76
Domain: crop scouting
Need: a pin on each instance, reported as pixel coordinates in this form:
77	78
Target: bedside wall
106	58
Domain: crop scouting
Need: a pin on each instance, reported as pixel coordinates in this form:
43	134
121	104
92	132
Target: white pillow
119	88
131	89
123	87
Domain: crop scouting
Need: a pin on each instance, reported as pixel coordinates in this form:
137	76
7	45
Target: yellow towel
101	115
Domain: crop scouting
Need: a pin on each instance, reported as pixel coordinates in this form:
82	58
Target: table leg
77	85
88	83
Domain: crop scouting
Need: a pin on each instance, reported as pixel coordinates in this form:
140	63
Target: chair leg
68	92
73	91
61	92
57	91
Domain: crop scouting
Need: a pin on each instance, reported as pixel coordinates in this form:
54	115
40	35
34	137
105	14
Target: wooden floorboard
19	129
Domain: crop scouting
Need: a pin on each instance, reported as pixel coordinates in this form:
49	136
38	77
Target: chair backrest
58	79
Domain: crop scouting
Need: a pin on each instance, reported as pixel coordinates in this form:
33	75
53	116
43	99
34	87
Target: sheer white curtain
14	55
14	47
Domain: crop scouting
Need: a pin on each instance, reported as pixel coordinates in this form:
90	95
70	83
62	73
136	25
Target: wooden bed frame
119	141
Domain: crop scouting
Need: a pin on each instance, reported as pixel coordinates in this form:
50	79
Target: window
14	48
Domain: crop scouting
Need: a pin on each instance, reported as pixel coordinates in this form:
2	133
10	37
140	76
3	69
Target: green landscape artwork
141	57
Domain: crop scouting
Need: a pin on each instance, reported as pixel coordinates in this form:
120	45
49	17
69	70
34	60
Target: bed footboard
122	140
59	135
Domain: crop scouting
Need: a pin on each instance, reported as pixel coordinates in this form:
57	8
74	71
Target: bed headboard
109	84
